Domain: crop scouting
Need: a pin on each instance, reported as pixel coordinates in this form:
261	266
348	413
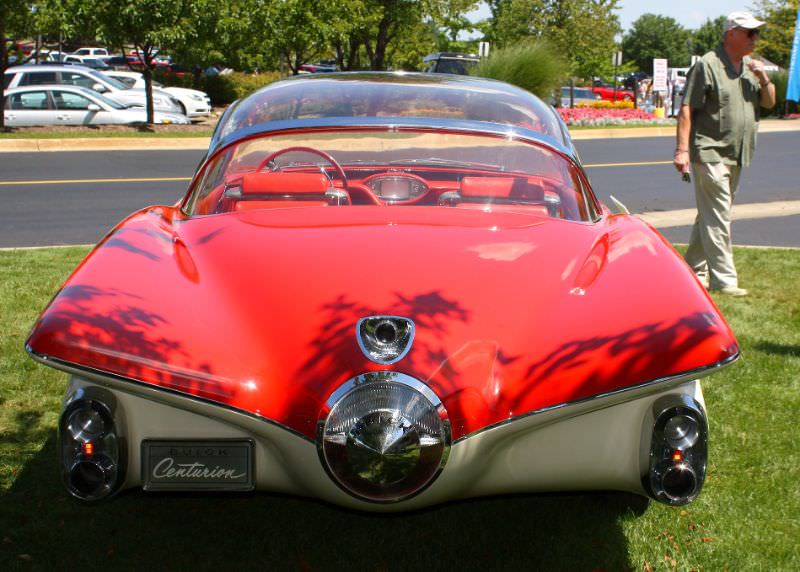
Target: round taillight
386	438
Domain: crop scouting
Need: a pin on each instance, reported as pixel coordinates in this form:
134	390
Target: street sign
616	59
483	49
660	74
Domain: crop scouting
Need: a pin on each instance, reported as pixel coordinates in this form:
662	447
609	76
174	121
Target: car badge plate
198	465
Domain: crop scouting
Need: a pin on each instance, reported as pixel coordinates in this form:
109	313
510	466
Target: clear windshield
392	167
394	95
115	83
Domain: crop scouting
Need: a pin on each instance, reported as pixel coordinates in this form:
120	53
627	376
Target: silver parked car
195	104
72	105
579	95
22	76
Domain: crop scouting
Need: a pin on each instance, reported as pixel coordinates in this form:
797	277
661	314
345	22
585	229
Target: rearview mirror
93	107
99	88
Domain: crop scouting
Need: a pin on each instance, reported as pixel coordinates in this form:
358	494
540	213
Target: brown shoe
730	291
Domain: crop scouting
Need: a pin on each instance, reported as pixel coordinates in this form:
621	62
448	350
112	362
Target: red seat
498	187
281	183
279	204
506	208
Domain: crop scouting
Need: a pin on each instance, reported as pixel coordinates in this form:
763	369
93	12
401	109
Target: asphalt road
39	208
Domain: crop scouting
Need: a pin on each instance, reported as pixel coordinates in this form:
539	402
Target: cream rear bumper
598	445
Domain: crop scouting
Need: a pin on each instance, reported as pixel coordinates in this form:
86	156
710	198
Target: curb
201	143
105	144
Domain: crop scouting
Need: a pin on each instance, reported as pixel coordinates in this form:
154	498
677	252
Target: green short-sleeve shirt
725	110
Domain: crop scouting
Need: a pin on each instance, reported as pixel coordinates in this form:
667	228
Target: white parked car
72	105
90	52
194	103
94	62
21	76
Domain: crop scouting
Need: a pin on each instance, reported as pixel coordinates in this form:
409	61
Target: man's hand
757	68
681	160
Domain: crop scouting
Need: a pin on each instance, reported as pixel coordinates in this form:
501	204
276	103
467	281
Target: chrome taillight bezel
342	474
676	468
104	460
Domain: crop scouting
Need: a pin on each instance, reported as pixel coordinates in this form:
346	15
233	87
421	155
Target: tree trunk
381	43
3	65
146	57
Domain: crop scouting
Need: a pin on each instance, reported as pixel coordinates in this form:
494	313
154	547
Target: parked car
450	62
386	291
118	62
93	52
318	68
73	105
579	95
21	76
95	63
606	91
194	103
631	81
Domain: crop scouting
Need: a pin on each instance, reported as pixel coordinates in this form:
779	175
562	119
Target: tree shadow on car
136	530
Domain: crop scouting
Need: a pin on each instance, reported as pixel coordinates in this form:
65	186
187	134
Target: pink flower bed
591	116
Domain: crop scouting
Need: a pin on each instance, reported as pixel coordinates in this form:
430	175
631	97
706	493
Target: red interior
295	183
286	189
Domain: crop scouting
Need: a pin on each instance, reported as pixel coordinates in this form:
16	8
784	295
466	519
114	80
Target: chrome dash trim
158	394
611	398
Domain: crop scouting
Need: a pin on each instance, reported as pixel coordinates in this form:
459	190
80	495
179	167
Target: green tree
708	36
149	25
654	36
450	20
295	32
72	19
777	36
16	20
378	34
582	30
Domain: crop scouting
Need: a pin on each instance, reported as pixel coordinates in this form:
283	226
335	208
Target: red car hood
258	310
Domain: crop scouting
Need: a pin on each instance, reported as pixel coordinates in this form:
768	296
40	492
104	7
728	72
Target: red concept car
385	291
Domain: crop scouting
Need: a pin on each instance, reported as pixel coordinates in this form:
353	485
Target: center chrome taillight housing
385	436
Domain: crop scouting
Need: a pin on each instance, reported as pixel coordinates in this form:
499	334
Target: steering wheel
336	166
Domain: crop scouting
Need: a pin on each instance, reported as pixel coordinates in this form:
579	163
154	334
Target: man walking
717	125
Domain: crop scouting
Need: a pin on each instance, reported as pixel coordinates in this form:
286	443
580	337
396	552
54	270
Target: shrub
225	89
781	81
605	104
533	66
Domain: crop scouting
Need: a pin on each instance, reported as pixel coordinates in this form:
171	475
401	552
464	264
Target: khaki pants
710	252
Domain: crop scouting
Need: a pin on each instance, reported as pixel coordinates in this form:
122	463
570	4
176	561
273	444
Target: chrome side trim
161	394
578	407
611	398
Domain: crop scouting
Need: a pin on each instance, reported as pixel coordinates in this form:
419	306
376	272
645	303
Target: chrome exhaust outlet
93	478
679	482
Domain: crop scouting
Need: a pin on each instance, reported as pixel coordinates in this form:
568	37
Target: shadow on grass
778	349
202	532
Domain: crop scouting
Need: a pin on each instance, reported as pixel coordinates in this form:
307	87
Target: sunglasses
753	33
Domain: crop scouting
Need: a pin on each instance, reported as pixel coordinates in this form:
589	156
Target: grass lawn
747	517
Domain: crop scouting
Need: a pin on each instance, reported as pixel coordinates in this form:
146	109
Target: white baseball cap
742	19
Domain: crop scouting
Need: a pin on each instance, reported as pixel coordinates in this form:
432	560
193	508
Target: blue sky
689	13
